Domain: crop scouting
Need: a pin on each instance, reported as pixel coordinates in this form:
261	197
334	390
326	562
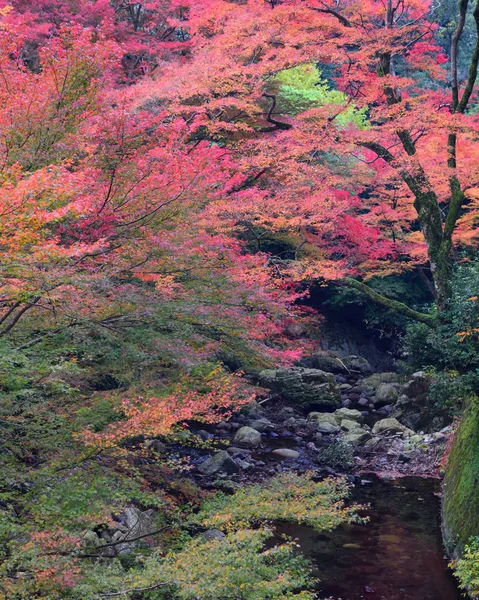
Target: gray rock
328	362
91	538
262	425
247	437
304	387
350	414
328	428
139	522
291	422
418	386
372	382
220	462
132	523
286	453
357	363
390	425
323	418
213	534
386	393
348	425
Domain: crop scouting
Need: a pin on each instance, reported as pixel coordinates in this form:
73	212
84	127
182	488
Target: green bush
236	567
454	343
338	455
467	568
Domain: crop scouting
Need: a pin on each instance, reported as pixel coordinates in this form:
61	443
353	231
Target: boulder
418	385
386	393
357	363
348	425
323	418
371	383
327	362
213	534
304	387
262	425
286	453
247	437
390	425
357	437
91	538
328	428
220	462
349	413
132	523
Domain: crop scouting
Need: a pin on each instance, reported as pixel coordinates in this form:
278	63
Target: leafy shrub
287	497
451	349
338	455
235	567
449	389
467	568
454	343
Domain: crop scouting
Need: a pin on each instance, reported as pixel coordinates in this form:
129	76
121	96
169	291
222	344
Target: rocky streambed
347	422
377	430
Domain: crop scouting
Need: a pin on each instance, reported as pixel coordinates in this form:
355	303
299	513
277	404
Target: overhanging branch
399	307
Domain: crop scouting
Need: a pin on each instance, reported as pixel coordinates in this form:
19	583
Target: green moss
461	484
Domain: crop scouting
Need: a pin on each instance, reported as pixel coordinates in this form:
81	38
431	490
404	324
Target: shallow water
397	555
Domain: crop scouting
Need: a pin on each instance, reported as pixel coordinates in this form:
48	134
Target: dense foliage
173	177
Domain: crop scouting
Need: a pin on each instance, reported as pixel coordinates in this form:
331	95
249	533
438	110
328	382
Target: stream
397	555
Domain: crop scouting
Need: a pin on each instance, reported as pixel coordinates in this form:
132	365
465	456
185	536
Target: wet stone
286	453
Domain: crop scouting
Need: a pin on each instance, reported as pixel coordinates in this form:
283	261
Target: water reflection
398	555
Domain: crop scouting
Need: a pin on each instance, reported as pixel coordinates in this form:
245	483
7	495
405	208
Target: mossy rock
308	388
460	493
460	507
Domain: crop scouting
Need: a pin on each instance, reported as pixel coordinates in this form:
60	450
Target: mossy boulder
386	393
308	388
348	425
391	425
349	413
317	417
460	506
330	362
370	384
